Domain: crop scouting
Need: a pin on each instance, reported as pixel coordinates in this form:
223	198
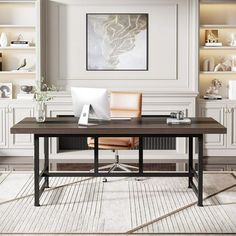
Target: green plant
42	91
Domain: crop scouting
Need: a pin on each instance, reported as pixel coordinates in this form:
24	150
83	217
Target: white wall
173	57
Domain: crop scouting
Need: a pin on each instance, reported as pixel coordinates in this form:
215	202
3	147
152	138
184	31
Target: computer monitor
90	103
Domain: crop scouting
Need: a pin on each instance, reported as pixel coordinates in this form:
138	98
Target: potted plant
41	96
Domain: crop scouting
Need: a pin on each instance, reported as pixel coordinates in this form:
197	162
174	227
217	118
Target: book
212	97
20	42
213	44
175	121
19	45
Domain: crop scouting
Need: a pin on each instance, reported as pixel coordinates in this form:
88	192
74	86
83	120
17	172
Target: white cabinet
3	130
11	112
217	112
224	111
231	125
16	113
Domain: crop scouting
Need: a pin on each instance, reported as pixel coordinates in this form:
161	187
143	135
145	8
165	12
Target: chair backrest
126	104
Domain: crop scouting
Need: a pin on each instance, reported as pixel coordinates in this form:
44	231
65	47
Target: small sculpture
233	40
211	36
23	64
209	64
213	91
20	38
224	65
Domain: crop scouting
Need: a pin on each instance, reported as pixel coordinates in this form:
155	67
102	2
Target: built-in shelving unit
17	72
17	48
217	72
19	18
218	48
217	26
17	26
217	15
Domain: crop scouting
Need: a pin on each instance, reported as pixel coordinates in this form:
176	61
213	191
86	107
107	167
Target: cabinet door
3	127
217	112
17	113
231	127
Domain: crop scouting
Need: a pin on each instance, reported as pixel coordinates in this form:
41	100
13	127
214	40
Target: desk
137	127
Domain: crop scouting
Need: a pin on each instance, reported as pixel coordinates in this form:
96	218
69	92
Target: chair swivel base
116	166
120	166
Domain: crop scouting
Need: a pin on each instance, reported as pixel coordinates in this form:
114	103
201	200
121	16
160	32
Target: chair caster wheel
139	179
104	180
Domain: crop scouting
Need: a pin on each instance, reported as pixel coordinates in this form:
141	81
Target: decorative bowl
26	88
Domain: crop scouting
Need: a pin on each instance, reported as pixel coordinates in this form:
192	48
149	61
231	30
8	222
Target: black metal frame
198	175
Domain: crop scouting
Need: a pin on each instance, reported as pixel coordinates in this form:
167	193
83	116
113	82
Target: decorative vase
40	111
3	40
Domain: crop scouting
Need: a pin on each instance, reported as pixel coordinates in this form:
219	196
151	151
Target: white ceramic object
233	40
209	64
3	40
206	65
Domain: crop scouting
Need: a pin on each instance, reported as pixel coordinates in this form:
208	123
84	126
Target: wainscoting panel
172	41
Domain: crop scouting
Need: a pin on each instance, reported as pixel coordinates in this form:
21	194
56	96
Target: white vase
3	40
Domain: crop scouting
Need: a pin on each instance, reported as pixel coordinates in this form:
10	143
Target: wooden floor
120	206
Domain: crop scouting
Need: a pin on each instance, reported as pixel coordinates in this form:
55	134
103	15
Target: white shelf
218	72
17	26
18	1
16	72
17	48
217	26
218	48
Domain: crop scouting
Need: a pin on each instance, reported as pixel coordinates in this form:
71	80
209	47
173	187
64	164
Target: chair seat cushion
113	141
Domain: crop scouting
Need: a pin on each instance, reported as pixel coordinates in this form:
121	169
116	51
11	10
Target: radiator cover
149	143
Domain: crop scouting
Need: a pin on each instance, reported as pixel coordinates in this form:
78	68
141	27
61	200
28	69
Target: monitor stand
84	116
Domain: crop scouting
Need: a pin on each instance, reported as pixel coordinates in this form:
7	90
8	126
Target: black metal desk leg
96	155
200	170
46	161
190	161
36	170
140	155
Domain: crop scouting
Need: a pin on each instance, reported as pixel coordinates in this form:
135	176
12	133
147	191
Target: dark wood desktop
142	127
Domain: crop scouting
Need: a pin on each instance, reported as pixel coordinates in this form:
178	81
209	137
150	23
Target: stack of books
175	121
20	44
213	44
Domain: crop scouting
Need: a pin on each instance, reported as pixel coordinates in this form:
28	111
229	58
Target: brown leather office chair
122	105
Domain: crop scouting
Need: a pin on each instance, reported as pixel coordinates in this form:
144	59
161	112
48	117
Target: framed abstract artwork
117	41
5	90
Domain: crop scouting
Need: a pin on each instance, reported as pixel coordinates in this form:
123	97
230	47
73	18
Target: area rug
123	206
